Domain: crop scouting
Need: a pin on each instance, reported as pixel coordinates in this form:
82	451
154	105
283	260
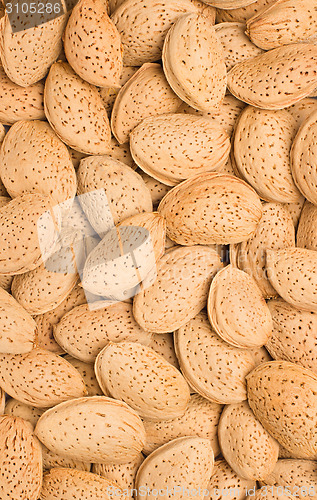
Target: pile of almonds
197	121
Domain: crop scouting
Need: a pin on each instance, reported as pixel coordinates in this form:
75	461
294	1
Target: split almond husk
245	444
94	54
114	323
307	227
182	283
293	274
237	310
262	145
224	480
193	62
211	208
295	474
145	94
64	90
282	23
40	378
242	14
283	396
174	147
95	429
294	334
143	379
276	79
21	460
212	367
122	474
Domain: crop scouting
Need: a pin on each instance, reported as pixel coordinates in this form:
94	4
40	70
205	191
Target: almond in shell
307	228
122	474
224	480
229	4
297	475
109	95
302	109
163	344
242	14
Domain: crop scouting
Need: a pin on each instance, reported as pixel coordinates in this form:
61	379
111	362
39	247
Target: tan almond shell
40	378
293	274
237	310
163	344
95	429
295	209
19	103
282	23
183	279
260	355
298	475
143	379
304	166
64	90
34	159
302	109
224	480
83	332
20	248
194	62
245	444
237	47
122	153
20	460
87	372
51	460
294	334
283	396
143	26
72	483
200	419
27	55
174	147
276	79
109	95
212	367
186	459
270	494
307	227
242	14
275	231
145	94
122	474
114	4
2	401
262	145
229	4
30	413
211	208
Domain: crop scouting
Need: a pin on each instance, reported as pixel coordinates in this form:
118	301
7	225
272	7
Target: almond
260	355
15	408
270	494
95	429
40	378
179	291
122	474
87	372
51	460
242	14
67	96
193	62
224	480
212	367
2	401
295	209
163	344
109	95
122	153
174	147
274	80
94	54
211	208
282	396
302	109
307	227
229	4
297	475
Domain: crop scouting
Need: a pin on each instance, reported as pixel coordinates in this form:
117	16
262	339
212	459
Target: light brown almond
225	481
307	228
122	474
299	476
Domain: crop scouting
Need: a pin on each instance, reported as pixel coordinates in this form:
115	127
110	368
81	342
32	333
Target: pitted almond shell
242	14
2	401
302	109
212	367
143	379
174	147
276	79
283	396
52	460
163	344
95	429
87	372
294	474
224	479
183	279
211	208
194	62
272	493
122	474
122	153
229	4
307	228
295	209
109	95
30	413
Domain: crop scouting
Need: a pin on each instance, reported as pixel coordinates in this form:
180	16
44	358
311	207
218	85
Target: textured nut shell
33	159
96	429
211	208
51	460
302	109
122	153
145	94
307	228
122	474
283	397
20	460
274	80
180	290
304	165
212	367
143	26
224	479
295	209
229	4
275	231
17	409
19	103
143	379
200	419
173	147
237	310
87	372
40	378
294	474
27	55
270	494
2	401
262	144
109	95
242	14
163	344
260	355
245	444
294	335
63	90
186	459
193	62
293	274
